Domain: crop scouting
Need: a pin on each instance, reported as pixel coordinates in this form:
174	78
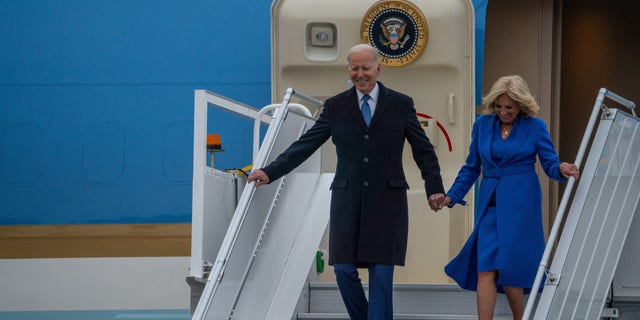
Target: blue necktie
366	109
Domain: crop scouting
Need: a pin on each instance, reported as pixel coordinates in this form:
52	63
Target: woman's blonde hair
516	88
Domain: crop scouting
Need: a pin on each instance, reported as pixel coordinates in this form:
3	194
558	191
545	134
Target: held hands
437	201
259	177
446	200
569	170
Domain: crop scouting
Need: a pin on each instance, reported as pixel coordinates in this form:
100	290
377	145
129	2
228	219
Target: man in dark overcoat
368	125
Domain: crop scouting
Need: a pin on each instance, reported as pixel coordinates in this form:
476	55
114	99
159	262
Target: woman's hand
569	170
445	201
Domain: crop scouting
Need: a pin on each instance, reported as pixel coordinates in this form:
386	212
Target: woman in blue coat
503	251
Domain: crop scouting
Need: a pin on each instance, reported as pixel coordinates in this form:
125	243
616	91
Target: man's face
363	70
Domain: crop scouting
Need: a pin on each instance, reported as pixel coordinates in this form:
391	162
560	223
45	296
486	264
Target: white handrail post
199	163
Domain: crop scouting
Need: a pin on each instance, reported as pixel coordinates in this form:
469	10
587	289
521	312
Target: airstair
598	224
274	232
264	266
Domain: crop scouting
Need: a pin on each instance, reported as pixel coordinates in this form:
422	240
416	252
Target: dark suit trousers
380	303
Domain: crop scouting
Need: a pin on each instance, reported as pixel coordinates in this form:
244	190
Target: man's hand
435	201
259	177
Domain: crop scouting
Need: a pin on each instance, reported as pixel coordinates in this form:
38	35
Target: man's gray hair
364	47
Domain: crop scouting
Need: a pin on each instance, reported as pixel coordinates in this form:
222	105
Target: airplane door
427	52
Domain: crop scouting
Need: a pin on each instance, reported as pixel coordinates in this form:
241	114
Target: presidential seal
398	29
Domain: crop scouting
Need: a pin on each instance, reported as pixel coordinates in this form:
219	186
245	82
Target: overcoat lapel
484	143
384	100
352	103
351	100
517	138
514	142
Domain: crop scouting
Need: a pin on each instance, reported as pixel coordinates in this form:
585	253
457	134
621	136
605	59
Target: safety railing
218	268
594	231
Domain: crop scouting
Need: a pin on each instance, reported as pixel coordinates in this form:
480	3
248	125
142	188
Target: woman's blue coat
518	199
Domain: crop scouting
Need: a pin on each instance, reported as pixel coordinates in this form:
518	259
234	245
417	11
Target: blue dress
508	233
488	226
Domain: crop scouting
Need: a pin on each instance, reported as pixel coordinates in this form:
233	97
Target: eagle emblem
397	29
393	33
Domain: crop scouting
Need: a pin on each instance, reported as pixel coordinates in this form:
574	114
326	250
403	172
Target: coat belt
508	171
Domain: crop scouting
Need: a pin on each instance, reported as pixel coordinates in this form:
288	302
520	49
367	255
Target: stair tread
411	301
397	316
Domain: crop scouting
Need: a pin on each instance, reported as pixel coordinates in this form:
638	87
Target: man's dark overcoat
369	215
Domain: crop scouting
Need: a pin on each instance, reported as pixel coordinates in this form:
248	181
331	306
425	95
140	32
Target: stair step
344	316
408	300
